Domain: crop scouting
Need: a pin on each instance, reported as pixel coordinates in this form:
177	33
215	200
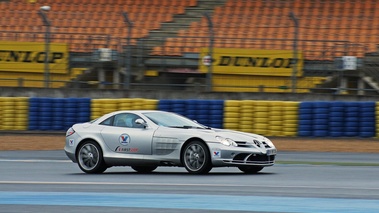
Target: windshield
171	120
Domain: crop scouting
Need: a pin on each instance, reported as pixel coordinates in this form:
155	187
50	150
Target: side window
126	120
108	122
120	120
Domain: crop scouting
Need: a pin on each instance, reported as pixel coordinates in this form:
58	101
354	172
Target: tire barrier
337	119
367	119
269	118
305	119
275	118
14	113
232	114
100	107
206	112
57	114
246	118
290	118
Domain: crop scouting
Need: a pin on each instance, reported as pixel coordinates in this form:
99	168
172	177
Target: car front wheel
196	158
90	158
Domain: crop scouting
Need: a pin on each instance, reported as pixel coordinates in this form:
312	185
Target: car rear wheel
90	158
196	158
144	169
250	169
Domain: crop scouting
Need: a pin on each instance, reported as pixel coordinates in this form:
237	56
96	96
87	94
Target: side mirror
141	122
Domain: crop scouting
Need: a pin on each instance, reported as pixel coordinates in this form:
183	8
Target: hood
238	136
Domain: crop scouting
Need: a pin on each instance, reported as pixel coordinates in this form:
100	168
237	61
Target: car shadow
168	173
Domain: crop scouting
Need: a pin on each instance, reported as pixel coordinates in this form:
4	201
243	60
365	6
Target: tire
250	169
90	158
196	158
144	169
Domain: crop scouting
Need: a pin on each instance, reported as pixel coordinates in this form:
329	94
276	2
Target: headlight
226	141
268	142
70	131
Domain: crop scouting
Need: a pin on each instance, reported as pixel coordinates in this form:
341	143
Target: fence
173	63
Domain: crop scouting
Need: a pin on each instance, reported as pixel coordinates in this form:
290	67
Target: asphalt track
45	181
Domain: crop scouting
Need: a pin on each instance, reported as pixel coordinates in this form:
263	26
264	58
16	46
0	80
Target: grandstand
167	38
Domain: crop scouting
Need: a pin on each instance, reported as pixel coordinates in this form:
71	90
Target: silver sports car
147	139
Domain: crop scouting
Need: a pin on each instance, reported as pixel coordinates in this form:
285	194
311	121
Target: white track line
178	184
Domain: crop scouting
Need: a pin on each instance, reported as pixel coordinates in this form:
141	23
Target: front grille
246	158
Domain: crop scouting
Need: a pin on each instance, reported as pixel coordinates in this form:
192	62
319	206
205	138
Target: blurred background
274	67
219	46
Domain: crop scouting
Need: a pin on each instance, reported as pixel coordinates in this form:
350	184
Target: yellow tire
274	133
231	109
260	120
290	125
261	115
262	103
295	108
290	112
150	107
22	107
244	122
291	104
290	129
231	126
275	118
291	122
276	113
232	103
96	105
260	125
7	127
261	109
247	118
249	130
7	119
231	114
276	123
109	101
261	131
288	133
276	108
246	126
290	117
231	120
246	110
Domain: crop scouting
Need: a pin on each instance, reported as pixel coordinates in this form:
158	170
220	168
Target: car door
122	135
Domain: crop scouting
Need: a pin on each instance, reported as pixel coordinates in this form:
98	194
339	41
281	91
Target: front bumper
237	156
251	159
70	155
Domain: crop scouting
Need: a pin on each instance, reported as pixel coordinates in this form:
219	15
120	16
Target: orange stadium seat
239	20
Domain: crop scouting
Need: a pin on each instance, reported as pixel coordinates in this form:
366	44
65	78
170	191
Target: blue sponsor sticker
124	139
217	153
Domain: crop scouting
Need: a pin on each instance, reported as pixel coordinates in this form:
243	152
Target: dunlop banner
30	57
251	62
